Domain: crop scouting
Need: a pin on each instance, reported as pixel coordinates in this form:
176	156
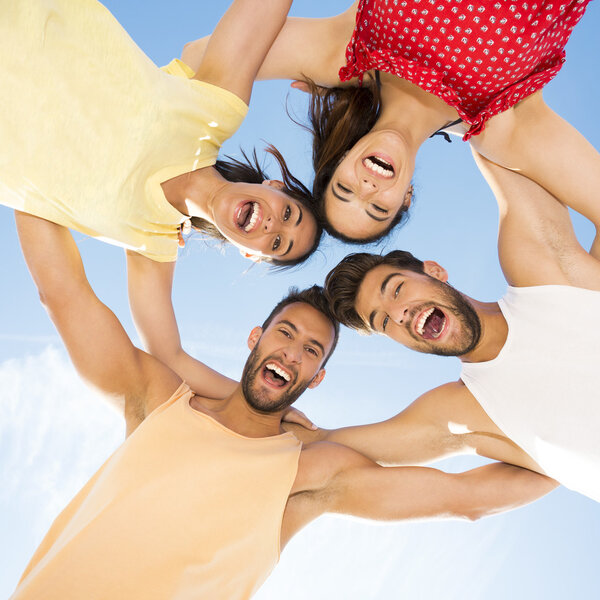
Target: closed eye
379	209
343	188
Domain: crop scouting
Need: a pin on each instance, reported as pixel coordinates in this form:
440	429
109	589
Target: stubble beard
252	369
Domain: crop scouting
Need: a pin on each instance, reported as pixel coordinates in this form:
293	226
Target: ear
408	196
317	379
434	270
274	183
253	257
254	337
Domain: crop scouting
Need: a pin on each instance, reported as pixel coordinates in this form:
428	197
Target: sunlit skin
296	342
398	304
282	228
360	201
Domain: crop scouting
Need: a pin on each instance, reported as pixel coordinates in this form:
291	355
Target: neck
236	414
412	112
494	331
193	193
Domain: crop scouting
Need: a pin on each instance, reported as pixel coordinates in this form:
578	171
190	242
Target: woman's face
261	220
370	185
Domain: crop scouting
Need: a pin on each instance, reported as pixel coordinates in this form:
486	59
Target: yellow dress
90	127
185	508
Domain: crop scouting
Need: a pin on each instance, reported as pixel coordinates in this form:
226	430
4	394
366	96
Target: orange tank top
185	508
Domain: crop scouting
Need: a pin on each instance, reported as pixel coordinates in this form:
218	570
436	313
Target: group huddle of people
216	475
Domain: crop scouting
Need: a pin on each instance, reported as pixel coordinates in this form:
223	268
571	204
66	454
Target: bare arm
443	422
313	48
367	490
536	243
536	142
240	43
150	285
97	343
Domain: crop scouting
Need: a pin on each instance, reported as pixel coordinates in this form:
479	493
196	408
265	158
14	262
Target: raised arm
97	343
364	489
536	242
313	48
150	285
240	43
536	142
443	422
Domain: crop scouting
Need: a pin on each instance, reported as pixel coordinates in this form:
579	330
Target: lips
379	166
248	216
275	375
431	323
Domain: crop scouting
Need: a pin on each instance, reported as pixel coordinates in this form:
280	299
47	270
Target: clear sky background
54	432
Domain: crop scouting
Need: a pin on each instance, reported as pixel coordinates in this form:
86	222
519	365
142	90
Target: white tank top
542	389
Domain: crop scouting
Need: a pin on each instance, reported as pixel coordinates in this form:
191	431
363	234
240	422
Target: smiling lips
379	166
431	323
249	216
276	375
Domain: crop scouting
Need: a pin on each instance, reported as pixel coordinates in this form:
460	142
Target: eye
286	333
379	209
343	188
384	323
287	213
277	243
311	350
397	290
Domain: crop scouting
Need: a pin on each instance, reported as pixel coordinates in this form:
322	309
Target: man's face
417	310
286	357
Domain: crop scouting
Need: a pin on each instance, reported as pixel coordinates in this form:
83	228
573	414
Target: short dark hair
249	170
338	118
313	296
344	280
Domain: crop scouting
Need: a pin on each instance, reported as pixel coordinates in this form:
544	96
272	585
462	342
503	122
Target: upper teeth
379	169
422	319
253	218
278	370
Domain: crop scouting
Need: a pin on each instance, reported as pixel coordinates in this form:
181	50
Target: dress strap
441	131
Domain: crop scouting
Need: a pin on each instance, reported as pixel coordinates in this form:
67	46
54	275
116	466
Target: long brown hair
339	117
249	170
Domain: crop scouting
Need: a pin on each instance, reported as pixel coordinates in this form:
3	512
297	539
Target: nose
399	314
367	185
293	353
268	224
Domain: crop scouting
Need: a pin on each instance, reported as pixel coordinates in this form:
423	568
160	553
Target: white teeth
422	319
379	169
253	218
280	372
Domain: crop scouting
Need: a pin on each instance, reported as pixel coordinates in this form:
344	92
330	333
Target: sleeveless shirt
185	508
542	389
480	57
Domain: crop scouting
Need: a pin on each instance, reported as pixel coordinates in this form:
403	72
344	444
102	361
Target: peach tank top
185	508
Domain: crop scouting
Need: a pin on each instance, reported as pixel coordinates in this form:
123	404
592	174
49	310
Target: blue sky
54	432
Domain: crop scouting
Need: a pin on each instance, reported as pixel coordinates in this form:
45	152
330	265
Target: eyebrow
378	219
299	217
292	326
289	248
382	288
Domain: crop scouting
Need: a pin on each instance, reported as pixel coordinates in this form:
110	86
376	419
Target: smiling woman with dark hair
418	68
96	138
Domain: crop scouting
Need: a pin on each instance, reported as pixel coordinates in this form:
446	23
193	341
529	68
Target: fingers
294	415
300	85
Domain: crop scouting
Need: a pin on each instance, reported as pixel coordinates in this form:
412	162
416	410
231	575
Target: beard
261	401
451	301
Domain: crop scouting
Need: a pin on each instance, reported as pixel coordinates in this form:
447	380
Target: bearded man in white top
527	393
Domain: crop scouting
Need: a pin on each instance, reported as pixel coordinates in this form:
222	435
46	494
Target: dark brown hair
249	170
313	296
343	281
338	118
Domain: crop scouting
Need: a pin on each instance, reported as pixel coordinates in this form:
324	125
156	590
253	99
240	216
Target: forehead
308	321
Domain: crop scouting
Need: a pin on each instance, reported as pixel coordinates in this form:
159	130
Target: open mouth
248	216
379	166
431	323
275	375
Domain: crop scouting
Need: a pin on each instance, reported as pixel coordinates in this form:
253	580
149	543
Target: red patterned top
480	57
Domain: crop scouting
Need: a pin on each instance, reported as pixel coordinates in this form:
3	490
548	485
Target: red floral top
480	57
